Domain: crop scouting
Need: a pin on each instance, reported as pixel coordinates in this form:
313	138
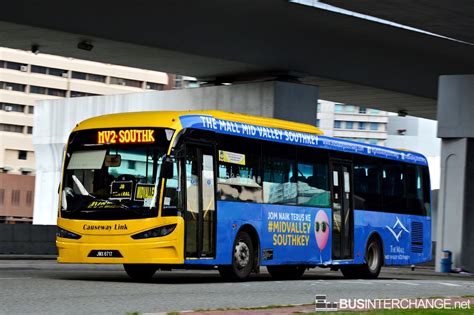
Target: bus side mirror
167	167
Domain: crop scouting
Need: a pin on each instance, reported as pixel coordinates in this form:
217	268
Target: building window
318	107
126	82
374	111
154	86
2	196
29	130
362	110
349	125
12	86
374	126
38	90
81	94
318	123
39	69
13	65
337	124
15	197
338	108
88	76
8	107
29	198
373	141
349	108
56	92
11	128
31	109
50	71
362	126
131	164
47	91
22	155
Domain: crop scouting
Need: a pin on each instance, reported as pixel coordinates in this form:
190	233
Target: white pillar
54	120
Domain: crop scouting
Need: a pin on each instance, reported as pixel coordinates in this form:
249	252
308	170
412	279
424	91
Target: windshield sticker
121	190
231	157
144	191
206	122
148	202
87	160
102	205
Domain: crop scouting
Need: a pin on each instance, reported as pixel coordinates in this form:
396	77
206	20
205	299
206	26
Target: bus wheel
372	266
291	272
140	272
242	259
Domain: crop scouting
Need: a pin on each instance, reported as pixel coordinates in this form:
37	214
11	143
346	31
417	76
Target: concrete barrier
27	239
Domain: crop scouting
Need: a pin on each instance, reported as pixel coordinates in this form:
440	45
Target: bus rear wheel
140	272
372	266
291	272
242	259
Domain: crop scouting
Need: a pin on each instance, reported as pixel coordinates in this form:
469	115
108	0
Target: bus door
342	210
200	205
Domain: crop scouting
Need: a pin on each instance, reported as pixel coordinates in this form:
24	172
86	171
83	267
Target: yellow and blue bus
233	192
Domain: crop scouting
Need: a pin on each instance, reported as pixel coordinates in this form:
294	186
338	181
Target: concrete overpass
352	60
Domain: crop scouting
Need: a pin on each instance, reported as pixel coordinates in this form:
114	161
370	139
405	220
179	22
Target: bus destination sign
126	136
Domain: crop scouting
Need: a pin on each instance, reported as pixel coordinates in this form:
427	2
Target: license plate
105	253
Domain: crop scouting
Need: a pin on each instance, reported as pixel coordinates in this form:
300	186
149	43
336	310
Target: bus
233	192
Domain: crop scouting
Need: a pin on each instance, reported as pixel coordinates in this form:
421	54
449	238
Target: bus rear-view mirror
167	167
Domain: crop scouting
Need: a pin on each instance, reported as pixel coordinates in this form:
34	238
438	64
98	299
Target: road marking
15	278
356	282
404	282
450	284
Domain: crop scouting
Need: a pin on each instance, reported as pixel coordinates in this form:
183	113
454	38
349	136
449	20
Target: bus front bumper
157	252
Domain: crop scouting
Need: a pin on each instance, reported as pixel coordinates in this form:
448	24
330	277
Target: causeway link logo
399	227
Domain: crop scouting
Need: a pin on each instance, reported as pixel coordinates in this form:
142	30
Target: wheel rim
241	255
373	257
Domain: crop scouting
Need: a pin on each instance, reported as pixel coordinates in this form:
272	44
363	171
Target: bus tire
289	272
242	259
370	269
140	272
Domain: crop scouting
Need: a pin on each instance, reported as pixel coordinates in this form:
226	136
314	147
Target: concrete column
54	120
456	207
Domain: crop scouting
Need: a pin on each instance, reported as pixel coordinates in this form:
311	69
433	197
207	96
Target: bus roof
171	118
248	126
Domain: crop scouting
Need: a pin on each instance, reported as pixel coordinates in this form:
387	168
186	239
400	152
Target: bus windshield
115	175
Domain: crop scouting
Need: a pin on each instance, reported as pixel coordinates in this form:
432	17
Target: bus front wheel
292	272
242	259
140	272
372	266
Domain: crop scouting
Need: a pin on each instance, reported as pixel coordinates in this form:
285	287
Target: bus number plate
112	253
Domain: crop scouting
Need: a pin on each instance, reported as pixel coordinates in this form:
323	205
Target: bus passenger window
279	177
393	188
313	190
367	194
238	173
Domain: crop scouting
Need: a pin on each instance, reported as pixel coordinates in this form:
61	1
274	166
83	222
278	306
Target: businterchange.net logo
323	305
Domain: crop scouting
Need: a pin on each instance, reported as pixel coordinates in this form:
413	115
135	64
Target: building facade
26	78
352	122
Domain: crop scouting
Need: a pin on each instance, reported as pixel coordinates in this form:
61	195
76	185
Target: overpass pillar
455	229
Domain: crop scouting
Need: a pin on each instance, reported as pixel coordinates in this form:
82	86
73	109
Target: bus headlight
156	232
66	234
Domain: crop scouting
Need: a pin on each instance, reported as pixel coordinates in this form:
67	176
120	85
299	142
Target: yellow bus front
110	198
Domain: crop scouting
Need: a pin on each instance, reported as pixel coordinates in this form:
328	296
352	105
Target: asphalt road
42	287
